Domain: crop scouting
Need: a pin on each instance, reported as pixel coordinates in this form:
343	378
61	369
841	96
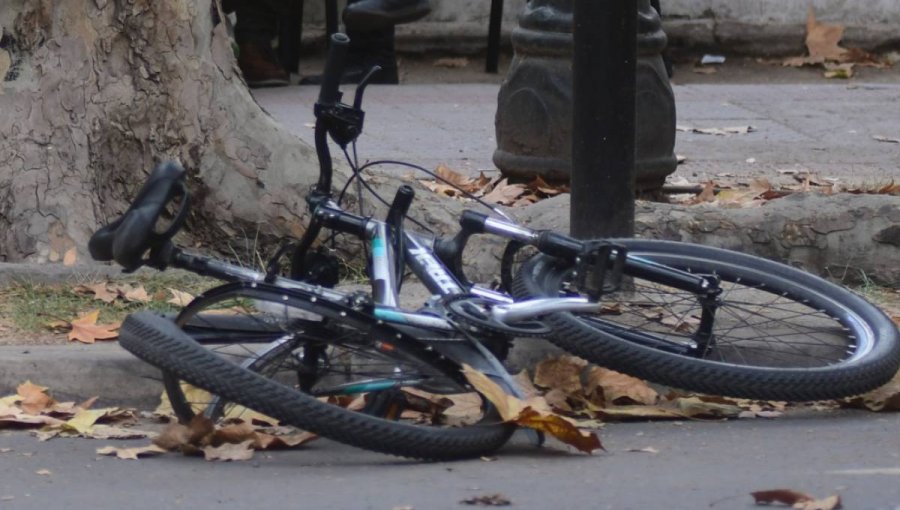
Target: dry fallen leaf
180	298
100	431
263	441
84	420
839	71
70	257
795	499
487	500
708	194
229	451
822	39
451	62
131	453
505	193
13	416
560	428
733	130
534	413
562	373
86	330
43	472
832	502
695	407
883	399
138	293
783	496
34	399
823	46
611	387
101	291
638	412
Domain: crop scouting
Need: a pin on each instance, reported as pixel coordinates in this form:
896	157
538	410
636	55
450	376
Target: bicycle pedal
387	404
599	268
535	437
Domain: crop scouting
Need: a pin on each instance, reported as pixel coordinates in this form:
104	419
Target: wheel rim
753	327
348	369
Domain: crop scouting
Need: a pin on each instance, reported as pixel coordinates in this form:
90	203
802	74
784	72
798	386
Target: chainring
474	312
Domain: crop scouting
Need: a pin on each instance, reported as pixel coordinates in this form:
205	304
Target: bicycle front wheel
319	366
774	332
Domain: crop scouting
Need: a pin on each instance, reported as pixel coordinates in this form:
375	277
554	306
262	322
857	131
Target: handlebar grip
400	206
334	68
559	245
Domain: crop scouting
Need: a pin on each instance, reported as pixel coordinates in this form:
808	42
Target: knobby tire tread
161	343
602	348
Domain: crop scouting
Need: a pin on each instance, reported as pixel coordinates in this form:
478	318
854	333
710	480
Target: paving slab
827	129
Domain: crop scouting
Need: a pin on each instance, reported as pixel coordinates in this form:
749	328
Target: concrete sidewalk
827	129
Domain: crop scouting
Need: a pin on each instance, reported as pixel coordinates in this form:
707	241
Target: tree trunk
96	92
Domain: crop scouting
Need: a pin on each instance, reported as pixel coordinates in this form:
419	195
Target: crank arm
533	308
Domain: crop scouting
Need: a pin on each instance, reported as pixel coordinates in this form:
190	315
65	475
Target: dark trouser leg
257	25
257	20
368	48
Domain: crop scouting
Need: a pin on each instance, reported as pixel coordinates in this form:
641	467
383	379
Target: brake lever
361	88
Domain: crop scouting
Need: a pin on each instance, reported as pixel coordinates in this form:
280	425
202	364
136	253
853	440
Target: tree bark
96	92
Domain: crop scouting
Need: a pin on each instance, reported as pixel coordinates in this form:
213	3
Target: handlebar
129	237
334	68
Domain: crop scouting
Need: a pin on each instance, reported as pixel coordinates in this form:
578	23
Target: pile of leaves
755	192
494	190
823	44
32	407
229	440
567	398
724	191
573	387
86	313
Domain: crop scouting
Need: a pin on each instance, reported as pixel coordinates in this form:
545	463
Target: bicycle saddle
128	238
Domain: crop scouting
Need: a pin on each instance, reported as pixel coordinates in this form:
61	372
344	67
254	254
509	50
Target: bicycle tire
162	343
804	301
214	328
187	401
247	331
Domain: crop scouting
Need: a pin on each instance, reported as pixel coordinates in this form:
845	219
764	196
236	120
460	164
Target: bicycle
569	285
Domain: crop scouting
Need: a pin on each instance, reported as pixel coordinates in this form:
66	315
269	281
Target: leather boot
260	67
380	14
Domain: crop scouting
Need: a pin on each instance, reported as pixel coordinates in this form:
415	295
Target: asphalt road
698	465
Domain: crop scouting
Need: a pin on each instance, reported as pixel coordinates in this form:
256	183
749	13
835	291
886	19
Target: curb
79	372
76	372
730	36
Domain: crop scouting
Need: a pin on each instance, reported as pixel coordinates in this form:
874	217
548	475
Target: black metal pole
290	35
494	25
331	18
603	93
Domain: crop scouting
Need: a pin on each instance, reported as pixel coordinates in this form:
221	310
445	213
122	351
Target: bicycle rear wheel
778	332
303	361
